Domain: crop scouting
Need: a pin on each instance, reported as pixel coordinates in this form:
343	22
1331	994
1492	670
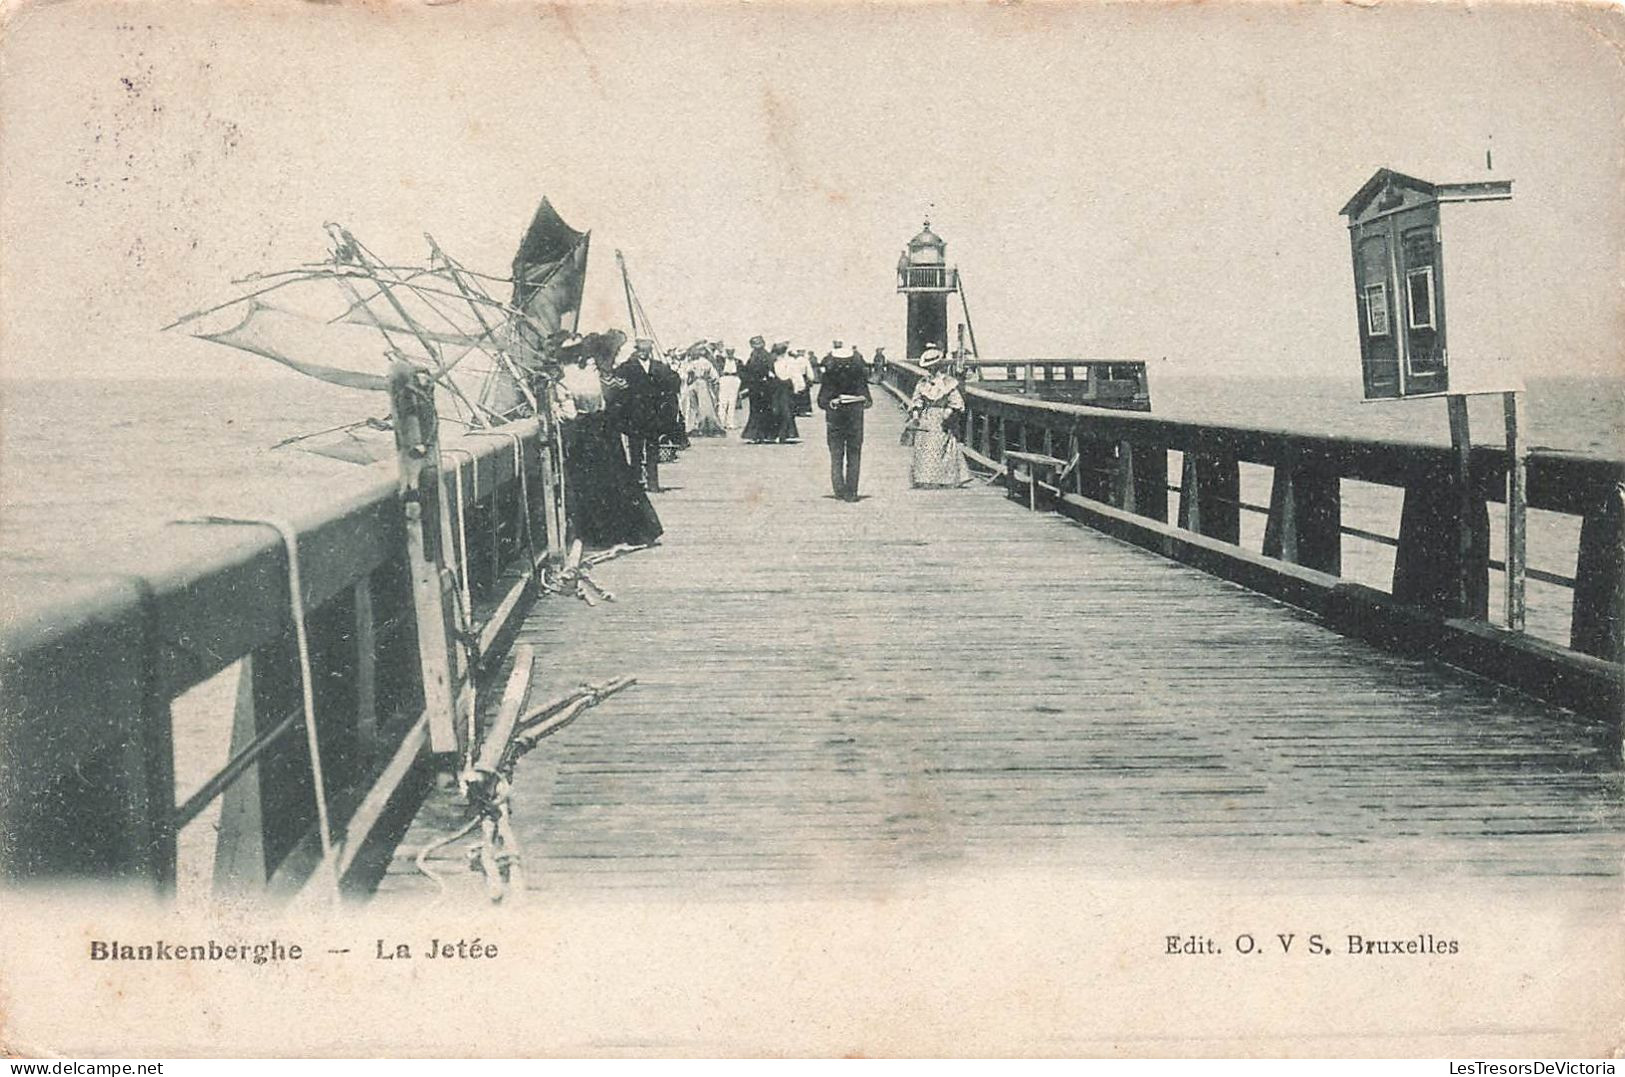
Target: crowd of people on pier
621	418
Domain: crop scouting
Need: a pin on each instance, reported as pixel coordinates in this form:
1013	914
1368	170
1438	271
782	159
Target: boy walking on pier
843	394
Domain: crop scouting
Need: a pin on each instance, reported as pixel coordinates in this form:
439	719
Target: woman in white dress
935	413
699	394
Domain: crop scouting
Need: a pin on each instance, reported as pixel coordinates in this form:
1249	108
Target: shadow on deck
849	696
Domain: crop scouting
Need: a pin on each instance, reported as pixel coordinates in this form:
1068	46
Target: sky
1155	182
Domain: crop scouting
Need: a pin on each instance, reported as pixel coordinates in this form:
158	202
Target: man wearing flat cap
844	394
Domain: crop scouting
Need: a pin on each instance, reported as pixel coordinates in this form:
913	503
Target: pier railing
1120	484
91	664
1122	383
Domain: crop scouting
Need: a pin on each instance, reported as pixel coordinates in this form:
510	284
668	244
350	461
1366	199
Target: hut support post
1461	447
1517	510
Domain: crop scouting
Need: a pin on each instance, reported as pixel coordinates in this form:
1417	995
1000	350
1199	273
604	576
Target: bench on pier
1036	465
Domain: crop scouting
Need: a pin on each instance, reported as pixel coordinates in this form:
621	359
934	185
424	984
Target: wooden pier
842	697
846	696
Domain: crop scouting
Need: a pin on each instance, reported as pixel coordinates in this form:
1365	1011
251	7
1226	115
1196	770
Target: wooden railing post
271	807
365	641
553	493
87	781
533	513
1210	497
1140	480
1306	519
398	682
1461	448
1430	568
1150	481
1598	627
159	831
417	450
1096	469
1123	488
241	863
490	517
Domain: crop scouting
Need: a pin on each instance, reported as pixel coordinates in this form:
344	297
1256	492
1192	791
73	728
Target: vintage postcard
763	529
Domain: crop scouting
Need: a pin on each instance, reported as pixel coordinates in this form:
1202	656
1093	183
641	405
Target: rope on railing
250	754
307	694
463	586
524	490
465	609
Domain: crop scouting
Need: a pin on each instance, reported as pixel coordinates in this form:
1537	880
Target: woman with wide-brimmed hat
935	413
604	502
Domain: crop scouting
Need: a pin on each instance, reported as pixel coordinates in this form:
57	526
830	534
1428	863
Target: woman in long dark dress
757	379
785	369
606	505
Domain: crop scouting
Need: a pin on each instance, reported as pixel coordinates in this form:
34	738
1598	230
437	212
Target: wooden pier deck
850	697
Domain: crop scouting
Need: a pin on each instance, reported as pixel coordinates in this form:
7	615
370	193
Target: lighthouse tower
923	274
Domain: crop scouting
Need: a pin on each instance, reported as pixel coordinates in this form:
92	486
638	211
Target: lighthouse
924	276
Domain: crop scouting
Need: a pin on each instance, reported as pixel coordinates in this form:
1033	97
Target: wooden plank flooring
848	697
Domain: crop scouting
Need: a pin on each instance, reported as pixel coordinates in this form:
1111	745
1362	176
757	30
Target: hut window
1376	310
1419	293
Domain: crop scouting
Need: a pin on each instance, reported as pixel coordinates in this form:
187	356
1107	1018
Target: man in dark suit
844	394
642	410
